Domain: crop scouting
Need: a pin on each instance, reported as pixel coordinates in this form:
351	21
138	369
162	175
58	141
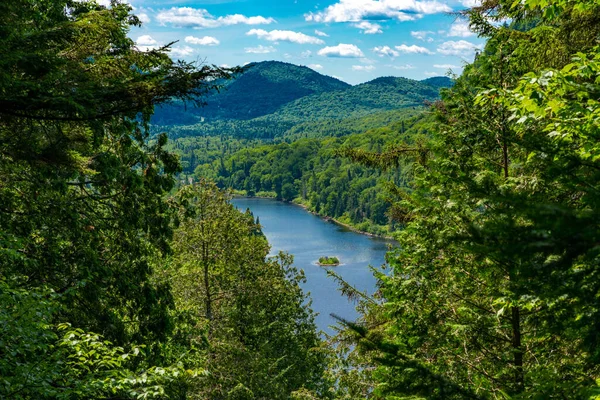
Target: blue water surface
307	237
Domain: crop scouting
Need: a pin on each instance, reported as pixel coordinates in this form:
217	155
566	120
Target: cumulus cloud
260	49
414	49
203	41
422	35
188	17
457	48
146	42
342	50
320	33
361	10
315	66
182	51
287	36
385	51
366	68
460	29
306	54
143	17
368	28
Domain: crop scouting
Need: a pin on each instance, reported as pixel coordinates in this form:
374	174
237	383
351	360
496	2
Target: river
292	229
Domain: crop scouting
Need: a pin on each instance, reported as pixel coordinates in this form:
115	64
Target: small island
329	261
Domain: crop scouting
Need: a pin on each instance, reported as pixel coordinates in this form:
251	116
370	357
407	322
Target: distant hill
381	94
260	90
275	99
439	82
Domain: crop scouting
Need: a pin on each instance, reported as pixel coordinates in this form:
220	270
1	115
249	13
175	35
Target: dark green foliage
86	225
75	162
262	341
311	172
493	292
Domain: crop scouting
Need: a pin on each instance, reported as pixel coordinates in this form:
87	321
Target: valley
290	144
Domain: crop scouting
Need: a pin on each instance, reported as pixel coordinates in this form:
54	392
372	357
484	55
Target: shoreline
323	217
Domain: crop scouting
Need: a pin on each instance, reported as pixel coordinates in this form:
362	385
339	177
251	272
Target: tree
249	317
81	186
498	253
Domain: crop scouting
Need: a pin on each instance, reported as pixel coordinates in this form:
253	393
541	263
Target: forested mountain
259	90
279	95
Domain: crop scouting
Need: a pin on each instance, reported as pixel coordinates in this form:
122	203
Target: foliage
261	341
329	260
44	360
75	161
493	292
310	172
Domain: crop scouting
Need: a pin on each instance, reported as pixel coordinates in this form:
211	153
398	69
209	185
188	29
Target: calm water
307	237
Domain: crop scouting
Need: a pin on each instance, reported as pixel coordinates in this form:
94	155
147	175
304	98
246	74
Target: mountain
260	90
271	99
381	94
439	82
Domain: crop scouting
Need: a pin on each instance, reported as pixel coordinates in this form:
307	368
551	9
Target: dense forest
266	156
125	272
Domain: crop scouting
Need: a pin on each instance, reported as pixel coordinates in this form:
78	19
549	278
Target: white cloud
457	48
414	49
366	68
422	35
320	33
260	49
189	17
430	74
224	66
288	36
146	43
385	51
360	10
143	17
341	50
402	67
146	40
460	29
445	66
368	28
203	41
182	51
315	66
306	54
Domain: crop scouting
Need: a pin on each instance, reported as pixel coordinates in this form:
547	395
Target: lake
307	237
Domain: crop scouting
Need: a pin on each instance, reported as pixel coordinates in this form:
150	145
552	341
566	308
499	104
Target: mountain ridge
274	91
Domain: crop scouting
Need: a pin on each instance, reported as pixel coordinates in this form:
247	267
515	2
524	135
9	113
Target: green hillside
381	94
260	90
275	99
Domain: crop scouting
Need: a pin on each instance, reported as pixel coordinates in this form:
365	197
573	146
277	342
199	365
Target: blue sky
353	40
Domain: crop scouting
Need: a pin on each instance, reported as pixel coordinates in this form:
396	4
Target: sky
352	40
